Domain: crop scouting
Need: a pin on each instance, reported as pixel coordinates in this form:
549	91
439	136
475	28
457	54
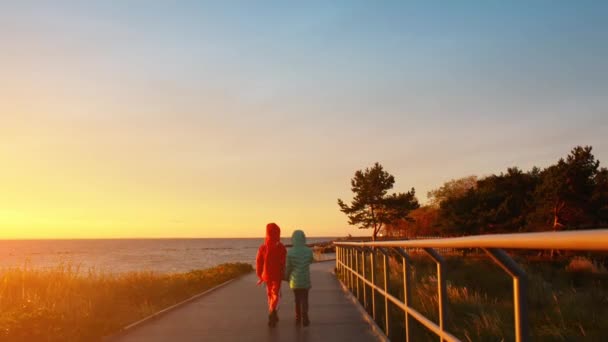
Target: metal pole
338	265
342	274
441	287
520	309
350	266
345	262
364	284
346	271
357	268
386	318
406	291
347	250
337	262
347	277
373	284
442	296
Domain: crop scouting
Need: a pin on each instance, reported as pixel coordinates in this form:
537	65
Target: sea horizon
164	238
117	255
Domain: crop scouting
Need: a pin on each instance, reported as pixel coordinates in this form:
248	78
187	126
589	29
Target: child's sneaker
273	318
306	322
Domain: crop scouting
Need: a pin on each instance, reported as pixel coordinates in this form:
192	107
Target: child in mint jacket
297	272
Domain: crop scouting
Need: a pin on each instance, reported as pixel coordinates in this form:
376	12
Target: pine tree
371	206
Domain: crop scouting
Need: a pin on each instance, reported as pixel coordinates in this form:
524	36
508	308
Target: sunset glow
199	120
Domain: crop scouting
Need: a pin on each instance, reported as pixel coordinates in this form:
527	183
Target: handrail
588	240
491	244
409	310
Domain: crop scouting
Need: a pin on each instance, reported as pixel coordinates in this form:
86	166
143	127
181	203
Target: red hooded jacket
270	261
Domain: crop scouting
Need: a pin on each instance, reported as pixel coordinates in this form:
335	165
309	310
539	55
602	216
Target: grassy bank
567	299
66	304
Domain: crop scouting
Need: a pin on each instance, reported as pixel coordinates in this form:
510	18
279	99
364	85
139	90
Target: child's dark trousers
301	304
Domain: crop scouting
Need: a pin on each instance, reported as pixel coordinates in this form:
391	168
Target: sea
125	255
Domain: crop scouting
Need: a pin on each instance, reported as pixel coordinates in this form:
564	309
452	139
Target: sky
211	119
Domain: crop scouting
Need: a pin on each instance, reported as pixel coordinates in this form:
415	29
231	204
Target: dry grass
67	304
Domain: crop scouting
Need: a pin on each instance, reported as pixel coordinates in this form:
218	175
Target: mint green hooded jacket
299	258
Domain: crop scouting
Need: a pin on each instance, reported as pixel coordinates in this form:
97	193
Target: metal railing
351	268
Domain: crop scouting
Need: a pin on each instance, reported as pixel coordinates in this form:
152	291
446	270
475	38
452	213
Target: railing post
441	287
346	272
343	260
406	289
520	309
345	263
357	268
342	256
349	276
338	261
373	283
386	318
352	267
364	283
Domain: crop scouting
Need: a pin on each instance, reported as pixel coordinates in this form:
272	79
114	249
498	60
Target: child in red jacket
270	268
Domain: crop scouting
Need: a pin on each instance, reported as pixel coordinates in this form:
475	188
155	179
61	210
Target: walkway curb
375	328
162	312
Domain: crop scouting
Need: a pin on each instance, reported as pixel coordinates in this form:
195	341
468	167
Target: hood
298	238
273	233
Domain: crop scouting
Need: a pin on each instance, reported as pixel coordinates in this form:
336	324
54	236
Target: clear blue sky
142	118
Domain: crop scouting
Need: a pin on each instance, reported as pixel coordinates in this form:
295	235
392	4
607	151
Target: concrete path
237	312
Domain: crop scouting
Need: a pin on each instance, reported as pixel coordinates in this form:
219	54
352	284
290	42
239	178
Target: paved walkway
237	312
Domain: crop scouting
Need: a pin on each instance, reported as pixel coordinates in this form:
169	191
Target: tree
497	203
451	189
506	200
371	207
421	222
564	195
599	200
459	215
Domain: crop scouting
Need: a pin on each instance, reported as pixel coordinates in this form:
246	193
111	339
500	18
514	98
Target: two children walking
274	264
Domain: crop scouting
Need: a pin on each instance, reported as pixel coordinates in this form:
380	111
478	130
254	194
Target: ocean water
124	255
